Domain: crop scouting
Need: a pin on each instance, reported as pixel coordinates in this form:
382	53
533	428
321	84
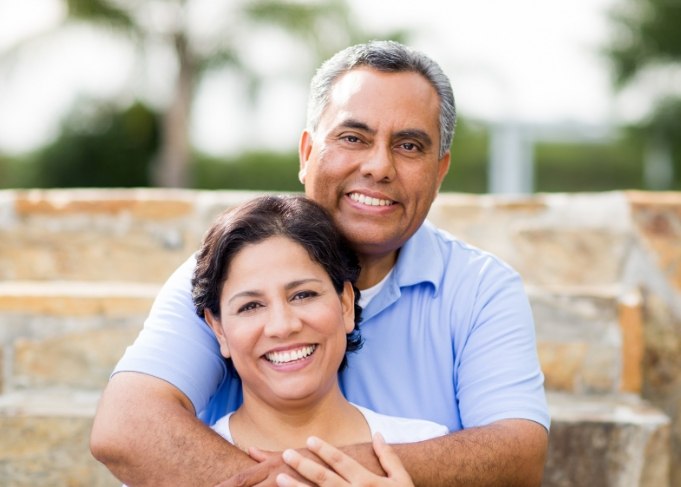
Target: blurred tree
169	26
646	48
100	147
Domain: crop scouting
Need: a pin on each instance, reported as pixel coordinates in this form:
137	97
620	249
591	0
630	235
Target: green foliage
106	148
647	38
588	167
646	33
256	170
468	169
102	12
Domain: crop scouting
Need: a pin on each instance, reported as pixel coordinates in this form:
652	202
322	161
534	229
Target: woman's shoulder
397	429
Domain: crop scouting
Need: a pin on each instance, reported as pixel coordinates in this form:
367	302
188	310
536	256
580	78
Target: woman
275	282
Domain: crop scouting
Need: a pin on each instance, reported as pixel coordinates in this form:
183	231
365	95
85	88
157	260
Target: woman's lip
290	354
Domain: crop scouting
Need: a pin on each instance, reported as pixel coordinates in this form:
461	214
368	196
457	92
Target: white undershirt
366	295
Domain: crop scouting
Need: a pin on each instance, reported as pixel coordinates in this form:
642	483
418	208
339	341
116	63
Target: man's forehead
363	97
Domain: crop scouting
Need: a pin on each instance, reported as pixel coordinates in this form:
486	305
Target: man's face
373	160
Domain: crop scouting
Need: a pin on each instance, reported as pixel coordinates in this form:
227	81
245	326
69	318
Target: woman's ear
216	326
348	306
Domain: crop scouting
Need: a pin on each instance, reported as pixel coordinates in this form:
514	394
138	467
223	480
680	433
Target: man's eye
409	146
353	139
248	307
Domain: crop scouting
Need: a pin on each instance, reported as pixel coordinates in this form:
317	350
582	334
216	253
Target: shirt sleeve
176	345
499	376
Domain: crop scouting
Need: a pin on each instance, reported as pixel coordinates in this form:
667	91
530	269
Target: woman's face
282	322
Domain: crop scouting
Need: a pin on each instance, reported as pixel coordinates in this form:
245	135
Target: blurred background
211	94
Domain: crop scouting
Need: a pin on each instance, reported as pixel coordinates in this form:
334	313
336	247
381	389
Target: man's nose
379	164
282	321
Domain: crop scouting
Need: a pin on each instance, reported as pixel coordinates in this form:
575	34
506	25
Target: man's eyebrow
352	123
415	134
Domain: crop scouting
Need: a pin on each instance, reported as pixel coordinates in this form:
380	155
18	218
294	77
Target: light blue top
450	338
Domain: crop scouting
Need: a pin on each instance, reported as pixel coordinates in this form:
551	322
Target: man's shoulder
454	249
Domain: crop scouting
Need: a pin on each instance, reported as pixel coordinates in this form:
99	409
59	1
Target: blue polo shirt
449	338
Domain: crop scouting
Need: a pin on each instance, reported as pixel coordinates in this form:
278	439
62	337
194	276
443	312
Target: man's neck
375	268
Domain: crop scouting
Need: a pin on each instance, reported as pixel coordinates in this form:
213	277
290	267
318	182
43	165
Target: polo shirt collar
419	261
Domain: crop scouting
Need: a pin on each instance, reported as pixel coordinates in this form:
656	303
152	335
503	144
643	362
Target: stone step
141	235
137	235
56	334
608	441
67	334
589	338
45	438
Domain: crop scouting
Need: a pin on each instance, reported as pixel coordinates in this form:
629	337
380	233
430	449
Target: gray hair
387	56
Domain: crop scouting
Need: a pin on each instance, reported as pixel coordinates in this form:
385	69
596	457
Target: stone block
96	235
81	360
552	239
579	338
657	221
68	334
606	441
45	441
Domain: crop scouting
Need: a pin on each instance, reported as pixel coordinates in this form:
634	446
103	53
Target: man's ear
216	326
443	168
348	306
304	151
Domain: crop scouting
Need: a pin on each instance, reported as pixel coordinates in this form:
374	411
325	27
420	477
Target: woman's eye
303	295
248	307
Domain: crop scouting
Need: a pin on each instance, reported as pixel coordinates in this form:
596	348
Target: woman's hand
343	470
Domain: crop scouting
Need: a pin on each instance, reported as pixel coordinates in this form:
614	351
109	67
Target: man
448	330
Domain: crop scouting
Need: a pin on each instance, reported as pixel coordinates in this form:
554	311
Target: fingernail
288	455
283	480
313	442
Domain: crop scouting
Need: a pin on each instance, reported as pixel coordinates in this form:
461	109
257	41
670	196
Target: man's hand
272	466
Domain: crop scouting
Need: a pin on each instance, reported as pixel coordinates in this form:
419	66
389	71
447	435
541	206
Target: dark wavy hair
294	217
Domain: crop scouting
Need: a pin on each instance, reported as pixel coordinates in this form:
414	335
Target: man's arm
510	452
146	433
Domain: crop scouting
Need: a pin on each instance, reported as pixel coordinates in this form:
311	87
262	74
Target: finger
284	480
344	465
257	454
311	470
390	462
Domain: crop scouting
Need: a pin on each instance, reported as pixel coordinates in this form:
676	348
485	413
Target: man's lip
371	199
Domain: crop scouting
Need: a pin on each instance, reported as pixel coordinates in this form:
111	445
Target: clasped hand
337	470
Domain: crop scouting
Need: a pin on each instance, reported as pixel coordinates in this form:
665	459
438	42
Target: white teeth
290	355
369	201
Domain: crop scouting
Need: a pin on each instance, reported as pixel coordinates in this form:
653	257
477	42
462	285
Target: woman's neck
288	425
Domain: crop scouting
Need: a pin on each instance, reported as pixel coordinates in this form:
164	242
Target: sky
524	61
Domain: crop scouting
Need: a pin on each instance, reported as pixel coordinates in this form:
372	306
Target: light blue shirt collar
419	261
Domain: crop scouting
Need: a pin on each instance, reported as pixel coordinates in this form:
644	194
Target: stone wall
79	269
